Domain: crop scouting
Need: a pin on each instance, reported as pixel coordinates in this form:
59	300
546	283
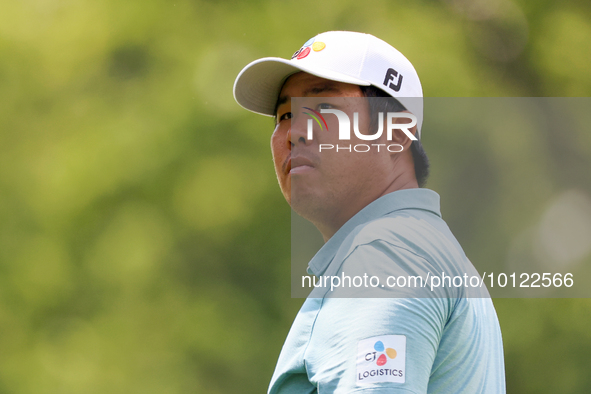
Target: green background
144	244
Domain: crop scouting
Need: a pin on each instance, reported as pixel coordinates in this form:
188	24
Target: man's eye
285	116
324	106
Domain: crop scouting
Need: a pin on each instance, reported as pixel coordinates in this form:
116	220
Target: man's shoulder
412	229
411	240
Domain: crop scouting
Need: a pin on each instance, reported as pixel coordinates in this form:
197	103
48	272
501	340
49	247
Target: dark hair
419	156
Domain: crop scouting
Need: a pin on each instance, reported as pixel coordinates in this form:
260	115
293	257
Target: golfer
348	158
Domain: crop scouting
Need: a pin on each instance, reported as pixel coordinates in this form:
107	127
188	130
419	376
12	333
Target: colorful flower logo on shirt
381	359
304	51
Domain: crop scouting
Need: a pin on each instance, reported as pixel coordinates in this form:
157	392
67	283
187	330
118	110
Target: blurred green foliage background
144	244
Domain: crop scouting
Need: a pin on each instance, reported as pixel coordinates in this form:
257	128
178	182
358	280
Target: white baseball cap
343	56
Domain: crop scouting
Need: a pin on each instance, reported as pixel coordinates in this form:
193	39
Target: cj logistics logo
304	51
381	359
383	352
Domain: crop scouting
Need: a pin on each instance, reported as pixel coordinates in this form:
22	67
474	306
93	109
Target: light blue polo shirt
403	339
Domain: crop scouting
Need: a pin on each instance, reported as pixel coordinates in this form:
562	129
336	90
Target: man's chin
302	204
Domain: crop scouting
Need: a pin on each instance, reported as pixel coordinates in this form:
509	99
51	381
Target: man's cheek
276	156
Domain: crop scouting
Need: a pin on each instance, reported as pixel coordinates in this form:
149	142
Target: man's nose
298	132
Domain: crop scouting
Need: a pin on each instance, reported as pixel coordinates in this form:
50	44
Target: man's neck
329	226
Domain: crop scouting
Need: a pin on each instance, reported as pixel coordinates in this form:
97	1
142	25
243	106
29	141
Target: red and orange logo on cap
311	44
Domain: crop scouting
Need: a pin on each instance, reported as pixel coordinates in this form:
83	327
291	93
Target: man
376	223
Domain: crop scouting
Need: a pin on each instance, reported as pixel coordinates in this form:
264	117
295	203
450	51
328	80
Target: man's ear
400	137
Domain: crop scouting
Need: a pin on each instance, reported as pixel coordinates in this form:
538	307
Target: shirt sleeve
376	345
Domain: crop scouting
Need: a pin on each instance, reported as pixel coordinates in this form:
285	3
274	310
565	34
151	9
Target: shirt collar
424	199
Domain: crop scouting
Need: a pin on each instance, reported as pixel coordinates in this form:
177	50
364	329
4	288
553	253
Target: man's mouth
298	164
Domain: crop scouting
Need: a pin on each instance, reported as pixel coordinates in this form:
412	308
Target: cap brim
258	85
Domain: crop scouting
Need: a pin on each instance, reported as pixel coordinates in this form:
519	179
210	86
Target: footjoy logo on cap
304	51
381	359
391	74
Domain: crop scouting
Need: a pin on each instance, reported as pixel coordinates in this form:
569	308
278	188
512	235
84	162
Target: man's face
320	185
